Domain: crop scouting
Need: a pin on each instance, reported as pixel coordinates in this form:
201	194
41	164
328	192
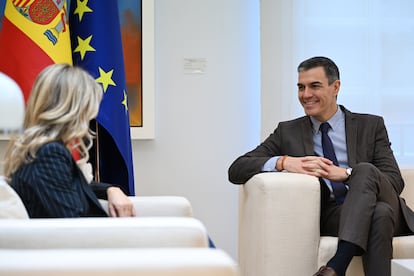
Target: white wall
278	69
204	121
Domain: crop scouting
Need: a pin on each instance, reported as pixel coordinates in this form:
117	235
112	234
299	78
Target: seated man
351	155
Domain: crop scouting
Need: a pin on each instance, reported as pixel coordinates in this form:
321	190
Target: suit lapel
351	132
307	134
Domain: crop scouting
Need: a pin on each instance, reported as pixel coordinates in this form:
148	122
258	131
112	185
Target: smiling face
316	95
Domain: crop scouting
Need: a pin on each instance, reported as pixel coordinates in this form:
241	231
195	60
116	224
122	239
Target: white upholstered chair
279	226
11	205
162	221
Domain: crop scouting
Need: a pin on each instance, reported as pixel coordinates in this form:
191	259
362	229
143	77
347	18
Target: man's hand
119	204
316	166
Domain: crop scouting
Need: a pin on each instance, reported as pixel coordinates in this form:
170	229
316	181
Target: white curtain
372	42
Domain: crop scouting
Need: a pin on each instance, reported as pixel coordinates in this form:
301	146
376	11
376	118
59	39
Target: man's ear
336	84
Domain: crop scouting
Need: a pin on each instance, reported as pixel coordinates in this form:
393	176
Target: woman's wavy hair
63	101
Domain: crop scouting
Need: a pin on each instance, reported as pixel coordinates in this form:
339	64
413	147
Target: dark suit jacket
53	186
366	139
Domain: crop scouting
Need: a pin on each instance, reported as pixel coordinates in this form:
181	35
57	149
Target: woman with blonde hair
39	165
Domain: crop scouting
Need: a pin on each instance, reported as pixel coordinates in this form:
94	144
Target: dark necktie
338	188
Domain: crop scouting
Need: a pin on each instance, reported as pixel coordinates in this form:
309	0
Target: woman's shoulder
47	155
51	148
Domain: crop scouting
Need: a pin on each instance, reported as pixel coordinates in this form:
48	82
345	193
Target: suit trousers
369	217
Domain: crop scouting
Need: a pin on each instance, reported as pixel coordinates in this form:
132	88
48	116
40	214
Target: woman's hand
119	205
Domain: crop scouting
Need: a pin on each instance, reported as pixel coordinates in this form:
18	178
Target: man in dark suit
360	189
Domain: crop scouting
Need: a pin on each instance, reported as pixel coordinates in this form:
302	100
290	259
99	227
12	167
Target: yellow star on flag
125	101
81	8
84	46
105	78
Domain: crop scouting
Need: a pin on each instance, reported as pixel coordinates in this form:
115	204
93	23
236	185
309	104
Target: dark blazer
53	186
366	139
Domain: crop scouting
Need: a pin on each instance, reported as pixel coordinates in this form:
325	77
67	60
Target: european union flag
97	47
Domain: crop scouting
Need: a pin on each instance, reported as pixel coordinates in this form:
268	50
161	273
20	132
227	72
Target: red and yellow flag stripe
35	34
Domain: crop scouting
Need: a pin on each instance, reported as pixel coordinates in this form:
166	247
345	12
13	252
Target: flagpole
97	175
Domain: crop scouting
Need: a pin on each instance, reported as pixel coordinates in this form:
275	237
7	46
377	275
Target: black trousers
369	217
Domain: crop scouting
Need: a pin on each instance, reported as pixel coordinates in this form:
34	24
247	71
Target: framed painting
137	28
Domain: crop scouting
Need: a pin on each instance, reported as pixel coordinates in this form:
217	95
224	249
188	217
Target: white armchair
11	205
279	226
163	221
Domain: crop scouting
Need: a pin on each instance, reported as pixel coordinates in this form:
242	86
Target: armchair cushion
118	262
170	206
279	221
103	233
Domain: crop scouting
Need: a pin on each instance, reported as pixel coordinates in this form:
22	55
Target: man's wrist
280	163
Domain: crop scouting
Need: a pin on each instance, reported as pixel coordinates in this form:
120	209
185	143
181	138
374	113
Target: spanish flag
34	34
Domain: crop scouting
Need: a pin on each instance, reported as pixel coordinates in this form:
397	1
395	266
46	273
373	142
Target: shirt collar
333	121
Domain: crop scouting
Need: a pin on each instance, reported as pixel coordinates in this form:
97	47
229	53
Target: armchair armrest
278	223
172	206
102	233
118	262
408	192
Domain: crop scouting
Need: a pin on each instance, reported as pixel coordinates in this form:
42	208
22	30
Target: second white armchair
279	226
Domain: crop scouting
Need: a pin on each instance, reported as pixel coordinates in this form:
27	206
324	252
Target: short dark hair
331	70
